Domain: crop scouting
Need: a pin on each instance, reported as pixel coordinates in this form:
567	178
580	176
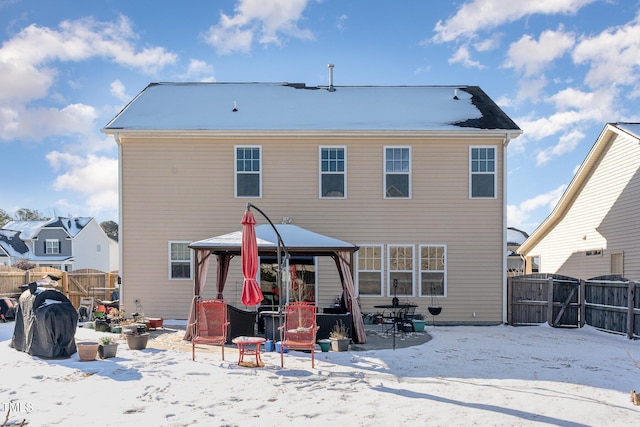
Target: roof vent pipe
331	88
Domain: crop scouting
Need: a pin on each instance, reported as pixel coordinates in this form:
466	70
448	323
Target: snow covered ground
498	375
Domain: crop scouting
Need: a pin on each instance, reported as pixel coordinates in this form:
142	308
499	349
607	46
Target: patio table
396	314
242	342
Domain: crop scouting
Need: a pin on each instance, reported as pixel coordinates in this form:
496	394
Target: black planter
434	311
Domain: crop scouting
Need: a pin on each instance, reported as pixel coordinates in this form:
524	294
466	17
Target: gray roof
12	244
297	240
632	128
290	106
30	229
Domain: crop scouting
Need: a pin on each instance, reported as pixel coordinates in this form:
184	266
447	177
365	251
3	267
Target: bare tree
111	229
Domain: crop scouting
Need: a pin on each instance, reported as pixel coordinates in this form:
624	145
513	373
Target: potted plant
107	348
339	337
418	322
137	338
87	350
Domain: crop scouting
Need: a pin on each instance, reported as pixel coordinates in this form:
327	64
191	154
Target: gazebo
298	241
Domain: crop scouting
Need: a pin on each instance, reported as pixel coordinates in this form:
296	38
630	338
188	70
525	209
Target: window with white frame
180	260
370	270
248	167
333	164
617	264
400	258
433	270
397	172
482	161
52	246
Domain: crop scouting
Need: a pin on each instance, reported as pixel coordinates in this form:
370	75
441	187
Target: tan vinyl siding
183	189
603	216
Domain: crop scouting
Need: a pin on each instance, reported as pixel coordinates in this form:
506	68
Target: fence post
582	300
550	301
631	291
509	301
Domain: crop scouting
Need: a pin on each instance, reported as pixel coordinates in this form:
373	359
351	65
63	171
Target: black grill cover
46	324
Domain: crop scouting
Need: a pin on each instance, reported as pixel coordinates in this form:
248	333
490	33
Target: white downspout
505	302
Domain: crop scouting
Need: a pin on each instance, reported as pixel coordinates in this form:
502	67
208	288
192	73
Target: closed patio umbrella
251	292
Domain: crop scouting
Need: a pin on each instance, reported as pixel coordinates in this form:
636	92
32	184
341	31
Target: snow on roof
28	229
289	106
296	239
72	225
632	128
515	236
12	244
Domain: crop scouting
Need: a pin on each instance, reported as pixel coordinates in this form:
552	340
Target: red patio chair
299	329
210	326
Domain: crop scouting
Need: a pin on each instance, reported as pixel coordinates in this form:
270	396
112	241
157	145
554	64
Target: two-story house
64	243
593	230
412	175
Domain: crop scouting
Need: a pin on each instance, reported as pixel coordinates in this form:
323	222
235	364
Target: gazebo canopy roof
297	240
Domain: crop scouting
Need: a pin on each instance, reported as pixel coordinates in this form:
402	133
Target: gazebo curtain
343	263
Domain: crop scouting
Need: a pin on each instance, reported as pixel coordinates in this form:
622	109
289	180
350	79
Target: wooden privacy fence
75	284
612	304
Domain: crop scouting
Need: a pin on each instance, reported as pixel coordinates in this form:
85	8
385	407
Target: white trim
494	173
170	261
235	171
420	270
358	271
384	171
390	291
321	173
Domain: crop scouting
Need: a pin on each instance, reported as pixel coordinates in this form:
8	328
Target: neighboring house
414	176
594	228
515	261
64	243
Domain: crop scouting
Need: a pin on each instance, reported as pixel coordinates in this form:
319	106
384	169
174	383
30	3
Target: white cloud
530	89
463	57
476	15
117	89
612	55
27	66
263	20
531	56
519	215
566	144
94	177
341	22
38	123
199	71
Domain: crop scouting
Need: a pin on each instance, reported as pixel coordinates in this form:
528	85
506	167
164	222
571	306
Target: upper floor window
370	270
433	270
397	168
482	162
51	246
248	167
400	270
333	172
180	261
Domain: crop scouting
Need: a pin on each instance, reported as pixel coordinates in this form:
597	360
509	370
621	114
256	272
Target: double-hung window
52	246
397	172
400	260
433	270
248	167
482	172
370	270
333	165
180	261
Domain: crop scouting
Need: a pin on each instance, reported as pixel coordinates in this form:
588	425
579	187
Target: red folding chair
299	329
210	326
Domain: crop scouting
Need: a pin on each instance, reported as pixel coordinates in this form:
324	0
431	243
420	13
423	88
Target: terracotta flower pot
155	322
87	350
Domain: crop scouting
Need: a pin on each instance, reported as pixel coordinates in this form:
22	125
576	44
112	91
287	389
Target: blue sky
560	68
